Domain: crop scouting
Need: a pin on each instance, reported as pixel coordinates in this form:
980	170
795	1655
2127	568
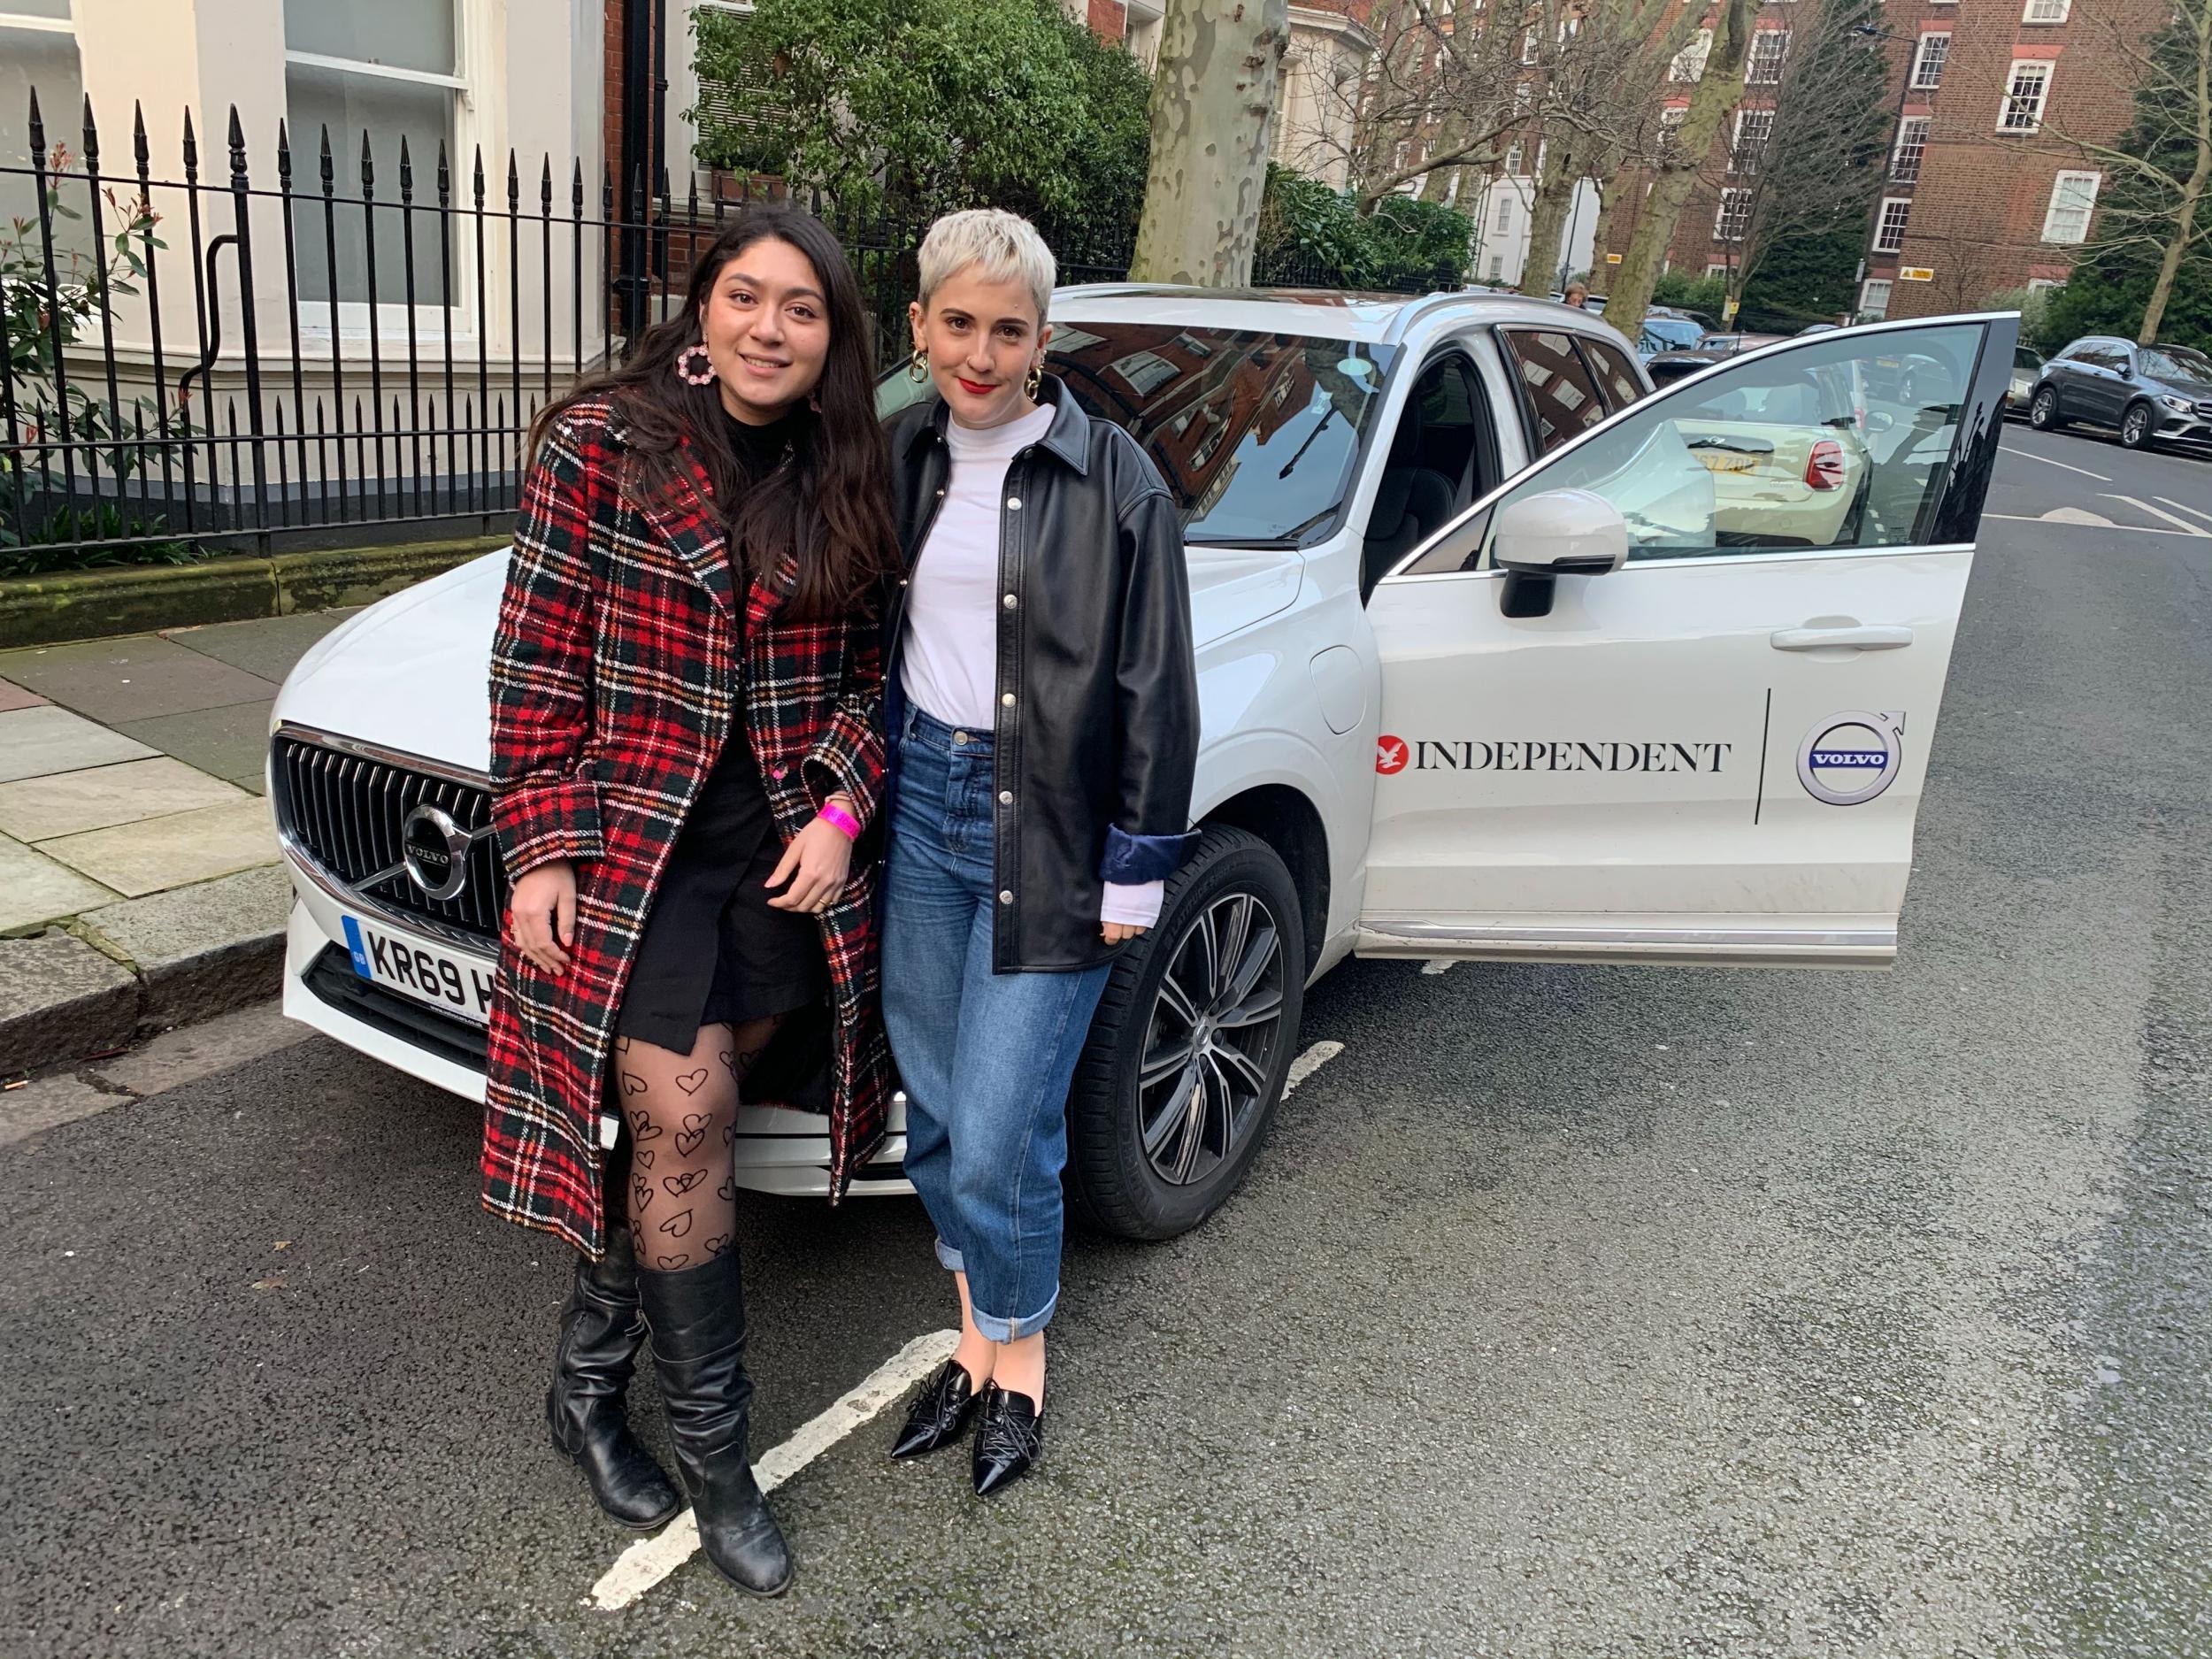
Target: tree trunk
1212	99
1718	93
1548	218
1610	194
1451	134
2191	193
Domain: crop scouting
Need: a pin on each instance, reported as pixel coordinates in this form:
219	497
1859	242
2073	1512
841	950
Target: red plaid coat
613	685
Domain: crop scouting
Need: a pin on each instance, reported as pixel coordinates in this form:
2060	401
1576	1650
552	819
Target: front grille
347	811
2205	409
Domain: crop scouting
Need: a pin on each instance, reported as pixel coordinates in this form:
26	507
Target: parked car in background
2027	369
1668	331
2147	394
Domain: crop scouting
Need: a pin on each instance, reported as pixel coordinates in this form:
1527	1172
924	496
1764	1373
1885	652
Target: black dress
713	952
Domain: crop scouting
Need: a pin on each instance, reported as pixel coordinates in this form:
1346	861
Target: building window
1504	224
38	52
1874	300
734	122
2027	88
1689	63
1514	158
1528	46
388	74
1927	63
2046	10
1754	127
1768	47
1718	267
1497	268
1889	233
2073	197
1912	144
1732	223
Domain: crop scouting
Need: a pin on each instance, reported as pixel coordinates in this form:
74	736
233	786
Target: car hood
2180	388
412	672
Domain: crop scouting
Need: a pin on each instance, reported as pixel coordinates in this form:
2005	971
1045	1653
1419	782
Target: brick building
1988	186
1985	187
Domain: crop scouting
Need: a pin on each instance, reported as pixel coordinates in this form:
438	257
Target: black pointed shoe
1010	1436
697	1317
940	1412
600	1333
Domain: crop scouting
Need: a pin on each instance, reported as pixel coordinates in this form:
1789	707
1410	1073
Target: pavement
1569	1313
139	882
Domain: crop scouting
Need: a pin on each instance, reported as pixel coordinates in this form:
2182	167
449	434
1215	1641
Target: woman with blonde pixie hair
1042	706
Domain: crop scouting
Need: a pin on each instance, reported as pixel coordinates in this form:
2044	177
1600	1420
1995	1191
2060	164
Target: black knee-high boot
600	1333
697	1318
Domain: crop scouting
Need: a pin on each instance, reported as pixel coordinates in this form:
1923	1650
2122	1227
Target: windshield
1670	333
1255	433
2179	363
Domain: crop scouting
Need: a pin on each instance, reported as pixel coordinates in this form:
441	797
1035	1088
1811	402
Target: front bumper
776	1151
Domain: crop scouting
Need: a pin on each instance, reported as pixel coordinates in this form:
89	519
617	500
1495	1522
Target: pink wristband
844	820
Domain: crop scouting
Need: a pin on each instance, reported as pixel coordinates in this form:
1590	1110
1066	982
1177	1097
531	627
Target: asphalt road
1571	1312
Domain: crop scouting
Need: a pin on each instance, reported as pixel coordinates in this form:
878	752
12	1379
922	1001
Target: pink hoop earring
706	374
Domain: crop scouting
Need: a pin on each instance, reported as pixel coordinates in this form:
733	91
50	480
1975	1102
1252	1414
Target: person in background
1043	704
1577	294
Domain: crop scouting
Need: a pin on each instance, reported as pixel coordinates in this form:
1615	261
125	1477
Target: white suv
1503	657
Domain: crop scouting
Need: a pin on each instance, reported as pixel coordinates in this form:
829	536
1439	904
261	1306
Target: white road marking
2157	512
1439	965
2133	529
2185	507
1307	1063
2030	455
2078	515
648	1561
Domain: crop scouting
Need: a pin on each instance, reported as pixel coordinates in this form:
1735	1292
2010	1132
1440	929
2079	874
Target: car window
1561	400
2177	363
1670	334
1616	379
1827	445
2023	358
1258	435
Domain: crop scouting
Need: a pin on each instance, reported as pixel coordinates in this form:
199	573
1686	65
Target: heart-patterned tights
682	1113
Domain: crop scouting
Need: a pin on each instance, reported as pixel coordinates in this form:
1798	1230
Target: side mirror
1559	533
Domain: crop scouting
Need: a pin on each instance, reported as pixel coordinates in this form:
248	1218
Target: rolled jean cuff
1000	1330
951	1259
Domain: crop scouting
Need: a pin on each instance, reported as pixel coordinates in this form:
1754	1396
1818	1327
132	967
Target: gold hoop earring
917	367
1035	384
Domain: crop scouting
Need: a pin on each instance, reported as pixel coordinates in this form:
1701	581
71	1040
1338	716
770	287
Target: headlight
2180	405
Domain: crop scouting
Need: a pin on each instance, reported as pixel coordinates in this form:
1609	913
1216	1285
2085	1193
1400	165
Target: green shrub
1311	234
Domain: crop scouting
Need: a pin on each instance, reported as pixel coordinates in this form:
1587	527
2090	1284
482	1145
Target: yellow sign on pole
1728	309
1916	273
1612	259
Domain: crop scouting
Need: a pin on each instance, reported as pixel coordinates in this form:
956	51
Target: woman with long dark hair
685	703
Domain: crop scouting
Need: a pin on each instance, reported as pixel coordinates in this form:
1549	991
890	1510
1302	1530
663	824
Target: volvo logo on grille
436	850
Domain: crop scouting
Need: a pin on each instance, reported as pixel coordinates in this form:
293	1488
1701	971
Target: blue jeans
987	1057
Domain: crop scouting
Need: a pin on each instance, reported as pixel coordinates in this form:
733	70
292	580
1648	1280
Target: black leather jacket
1098	732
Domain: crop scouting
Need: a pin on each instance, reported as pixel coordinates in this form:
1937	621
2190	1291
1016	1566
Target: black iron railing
203	363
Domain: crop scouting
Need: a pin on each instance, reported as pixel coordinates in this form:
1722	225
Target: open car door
1669	695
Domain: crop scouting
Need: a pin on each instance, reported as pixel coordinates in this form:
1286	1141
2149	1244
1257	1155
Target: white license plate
461	985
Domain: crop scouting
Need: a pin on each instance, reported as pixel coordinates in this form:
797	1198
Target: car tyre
2043	409
2135	426
1153	1152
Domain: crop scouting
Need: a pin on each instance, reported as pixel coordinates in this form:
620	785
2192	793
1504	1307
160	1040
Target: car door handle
1888	637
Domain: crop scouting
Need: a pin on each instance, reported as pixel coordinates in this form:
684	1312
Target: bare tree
1718	90
1213	97
1797	165
2161	169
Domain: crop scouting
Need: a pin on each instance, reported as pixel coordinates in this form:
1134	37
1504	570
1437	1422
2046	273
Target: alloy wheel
2137	424
1209	1047
2043	408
